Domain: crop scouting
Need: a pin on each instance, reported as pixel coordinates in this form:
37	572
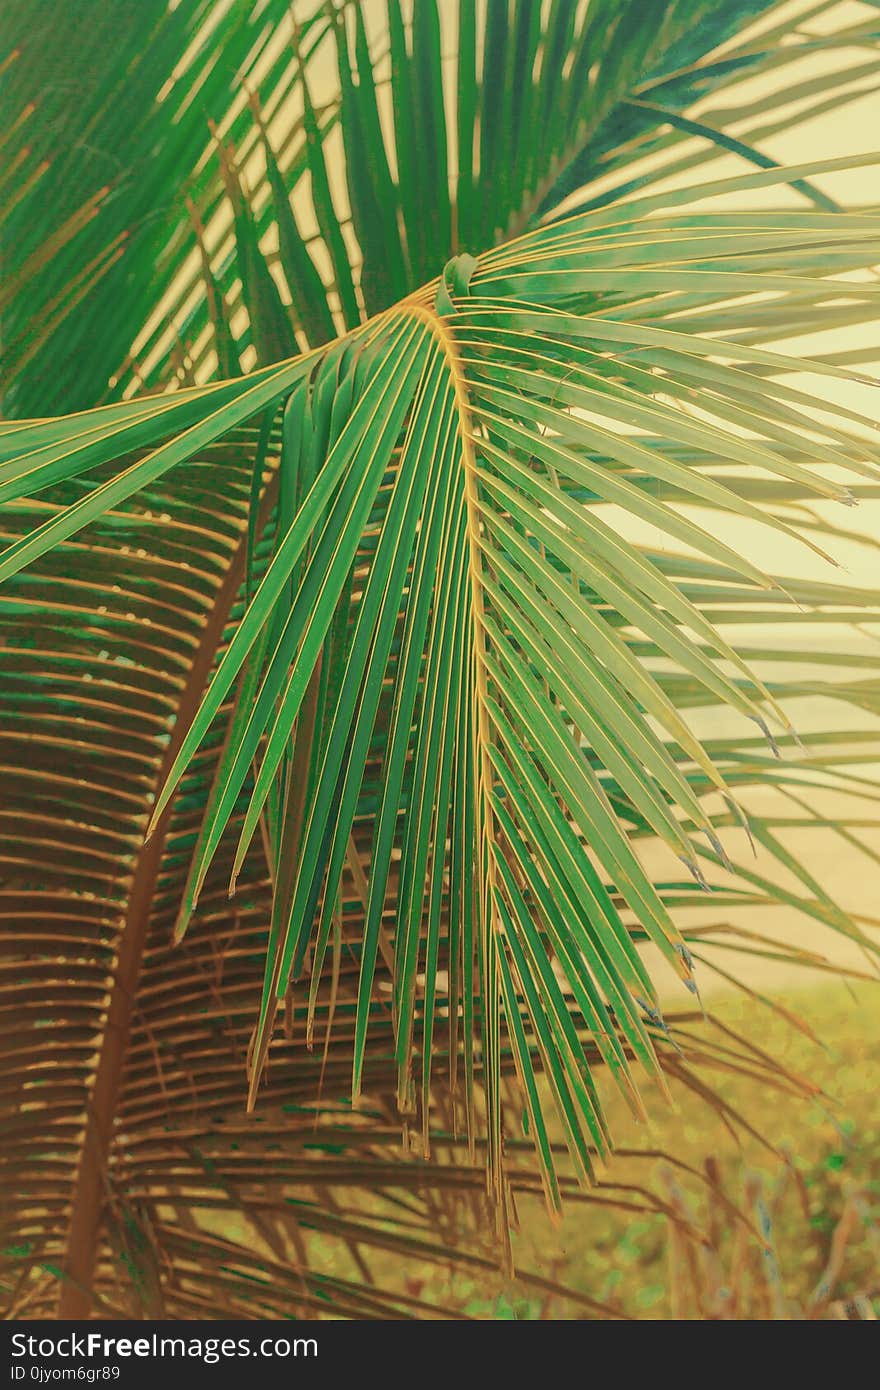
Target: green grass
834	1144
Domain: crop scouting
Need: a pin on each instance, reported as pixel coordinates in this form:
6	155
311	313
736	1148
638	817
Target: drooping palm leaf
448	695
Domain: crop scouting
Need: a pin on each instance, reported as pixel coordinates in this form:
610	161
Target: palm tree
365	468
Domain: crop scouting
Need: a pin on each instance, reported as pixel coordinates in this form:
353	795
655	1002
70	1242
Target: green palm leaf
368	635
511	599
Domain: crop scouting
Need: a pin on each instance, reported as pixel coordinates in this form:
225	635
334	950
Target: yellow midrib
438	326
422	308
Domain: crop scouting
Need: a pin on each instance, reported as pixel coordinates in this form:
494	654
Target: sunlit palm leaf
506	644
455	170
450	700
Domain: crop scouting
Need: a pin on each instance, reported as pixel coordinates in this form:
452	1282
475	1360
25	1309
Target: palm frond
412	637
521	669
251	109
